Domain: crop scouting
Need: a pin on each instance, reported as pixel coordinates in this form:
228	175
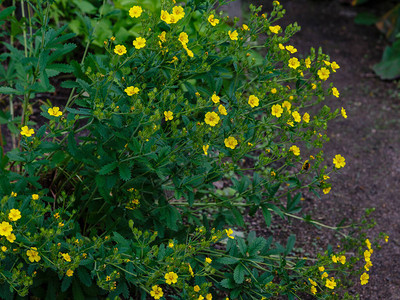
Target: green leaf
4	13
267	215
125	172
290	243
238	274
242	245
108	168
8	91
66	283
389	67
257	245
227	283
77	290
227	260
84	276
366	18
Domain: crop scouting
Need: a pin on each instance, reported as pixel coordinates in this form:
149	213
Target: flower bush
131	187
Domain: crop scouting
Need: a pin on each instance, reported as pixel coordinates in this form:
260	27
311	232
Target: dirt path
369	138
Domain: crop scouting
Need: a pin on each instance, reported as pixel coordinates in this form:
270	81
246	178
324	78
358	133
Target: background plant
118	189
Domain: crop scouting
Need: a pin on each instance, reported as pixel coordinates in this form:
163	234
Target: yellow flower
245	27
165	16
14	215
190	270
307	61
205	149
171	278
367	255
13	194
55	111
200	297
324	275
5	228
276	2
211	119
313	86
339	161
189	52
171	244
233	35
327	63
209	297
66	256
294	63
276	110
275	29
222	110
208	260
161	36
253	101
3	248
70	273
334	258
296	116
135	11
178	12
196	288
35	197
281	46
291	49
295	150
313	290
334	66
230	142
335	92
168	115
326	190
120	49
367	265
306	117
386	238
323	73
11	237
368	243
131	90
364	278
183	38
213	21
215	98
343	112
342	259
229	233
321	268
139	43
26	131
330	284
286	104
33	255
312	281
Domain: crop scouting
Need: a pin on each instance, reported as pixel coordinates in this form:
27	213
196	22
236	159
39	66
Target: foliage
131	189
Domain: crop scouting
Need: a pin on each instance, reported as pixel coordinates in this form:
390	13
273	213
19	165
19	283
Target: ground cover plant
118	193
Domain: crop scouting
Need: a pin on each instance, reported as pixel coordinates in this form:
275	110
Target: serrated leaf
242	245
227	260
108	168
84	276
227	283
125	172
8	91
290	243
238	274
66	283
257	245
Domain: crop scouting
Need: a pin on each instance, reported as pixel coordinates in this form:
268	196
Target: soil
369	138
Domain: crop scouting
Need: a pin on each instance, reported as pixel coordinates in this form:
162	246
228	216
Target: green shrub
131	189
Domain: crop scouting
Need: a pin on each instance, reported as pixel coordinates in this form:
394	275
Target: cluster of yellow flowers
368	264
6	228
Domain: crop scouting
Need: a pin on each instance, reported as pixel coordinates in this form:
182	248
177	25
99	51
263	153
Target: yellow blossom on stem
253	101
196	288
208	297
211	119
324	275
229	233
5	228
386	238
276	110
171	278
120	49
135	11
3	248
168	115
33	254
215	98
334	66
321	268
161	36
14	215
222	110
275	29
165	16
323	73
364	278
66	256
13	194
286	104
291	49
313	290
307	62
212	20
343	112
183	38
208	260
342	259
296	116
11	237
306	117
312	281
233	35
205	149
335	92
55	111
139	43
231	142
294	63
326	190
26	131
178	12
295	150
70	273
330	284
35	197
245	27
131	90
339	161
